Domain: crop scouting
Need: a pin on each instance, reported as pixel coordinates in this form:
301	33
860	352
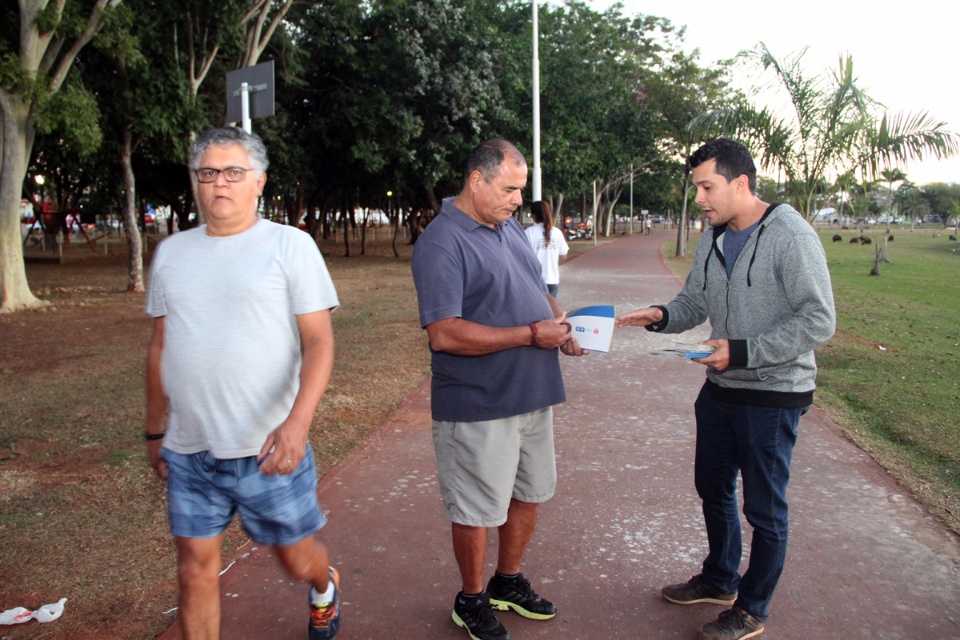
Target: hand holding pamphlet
592	327
686	350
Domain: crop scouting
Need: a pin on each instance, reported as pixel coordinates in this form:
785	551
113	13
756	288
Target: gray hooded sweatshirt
775	309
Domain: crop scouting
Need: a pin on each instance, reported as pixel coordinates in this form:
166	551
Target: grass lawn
890	377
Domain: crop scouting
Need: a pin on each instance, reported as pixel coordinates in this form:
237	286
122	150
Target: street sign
257	86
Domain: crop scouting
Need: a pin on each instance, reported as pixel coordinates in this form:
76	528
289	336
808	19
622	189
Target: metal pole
594	213
245	106
631	199
537	190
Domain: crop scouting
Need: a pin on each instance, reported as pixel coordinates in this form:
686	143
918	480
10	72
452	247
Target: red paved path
865	560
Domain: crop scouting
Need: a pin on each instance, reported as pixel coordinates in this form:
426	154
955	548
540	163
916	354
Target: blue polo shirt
464	269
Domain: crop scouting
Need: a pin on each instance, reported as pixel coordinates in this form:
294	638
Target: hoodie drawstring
754	256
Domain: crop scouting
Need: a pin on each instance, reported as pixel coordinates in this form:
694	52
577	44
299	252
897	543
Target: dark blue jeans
757	443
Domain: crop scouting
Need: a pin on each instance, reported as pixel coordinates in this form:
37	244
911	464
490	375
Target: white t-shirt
549	255
231	353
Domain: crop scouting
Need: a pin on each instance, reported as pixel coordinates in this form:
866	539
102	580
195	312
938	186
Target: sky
904	54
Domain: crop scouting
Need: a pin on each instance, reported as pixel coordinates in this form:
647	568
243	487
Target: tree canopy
103	97
830	126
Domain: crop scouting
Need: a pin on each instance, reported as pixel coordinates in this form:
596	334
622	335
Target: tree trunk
434	201
877	259
681	237
394	217
134	246
363	231
346	225
15	293
42	55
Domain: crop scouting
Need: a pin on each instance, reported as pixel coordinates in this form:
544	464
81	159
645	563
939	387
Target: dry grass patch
81	514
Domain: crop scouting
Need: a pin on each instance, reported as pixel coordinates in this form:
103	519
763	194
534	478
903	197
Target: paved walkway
865	560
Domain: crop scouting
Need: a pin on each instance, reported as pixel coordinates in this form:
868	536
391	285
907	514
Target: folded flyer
686	350
592	327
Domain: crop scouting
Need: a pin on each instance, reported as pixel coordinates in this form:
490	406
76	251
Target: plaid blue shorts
204	493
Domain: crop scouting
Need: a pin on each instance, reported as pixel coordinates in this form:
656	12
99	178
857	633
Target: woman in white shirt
548	243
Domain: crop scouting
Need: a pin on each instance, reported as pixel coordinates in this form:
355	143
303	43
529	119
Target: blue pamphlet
686	350
592	327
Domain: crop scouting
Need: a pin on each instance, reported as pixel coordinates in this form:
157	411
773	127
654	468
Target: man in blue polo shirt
494	335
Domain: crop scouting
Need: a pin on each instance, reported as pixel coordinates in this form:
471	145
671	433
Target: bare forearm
316	338
315	375
464	338
156	400
156	395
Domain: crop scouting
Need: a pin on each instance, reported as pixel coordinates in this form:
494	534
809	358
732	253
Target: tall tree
117	71
260	22
34	64
891	175
910	203
594	123
679	90
831	126
942	198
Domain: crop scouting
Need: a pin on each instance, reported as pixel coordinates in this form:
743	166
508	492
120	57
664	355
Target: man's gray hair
226	136
487	157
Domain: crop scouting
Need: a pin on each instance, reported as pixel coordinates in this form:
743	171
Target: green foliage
48	18
13	77
73	113
830	126
940	197
119	37
594	122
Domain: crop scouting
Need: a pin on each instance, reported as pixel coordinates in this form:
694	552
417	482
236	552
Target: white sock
325	598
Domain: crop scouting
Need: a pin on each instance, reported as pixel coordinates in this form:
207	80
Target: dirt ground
81	515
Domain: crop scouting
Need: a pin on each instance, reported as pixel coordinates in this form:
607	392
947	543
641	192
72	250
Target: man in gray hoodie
760	278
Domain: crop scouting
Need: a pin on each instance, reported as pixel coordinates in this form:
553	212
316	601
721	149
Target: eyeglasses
207	175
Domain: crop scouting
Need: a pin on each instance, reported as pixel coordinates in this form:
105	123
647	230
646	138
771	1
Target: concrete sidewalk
865	560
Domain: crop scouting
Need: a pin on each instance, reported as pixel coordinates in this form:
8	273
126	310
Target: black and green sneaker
517	594
476	616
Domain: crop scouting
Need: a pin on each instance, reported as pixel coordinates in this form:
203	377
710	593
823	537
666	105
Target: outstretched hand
640	318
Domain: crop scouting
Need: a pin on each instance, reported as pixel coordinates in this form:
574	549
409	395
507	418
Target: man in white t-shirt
241	353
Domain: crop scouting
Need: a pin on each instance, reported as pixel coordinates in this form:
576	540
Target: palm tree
910	202
829	128
891	176
844	182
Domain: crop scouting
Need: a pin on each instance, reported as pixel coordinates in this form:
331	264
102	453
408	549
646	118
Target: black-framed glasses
207	175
